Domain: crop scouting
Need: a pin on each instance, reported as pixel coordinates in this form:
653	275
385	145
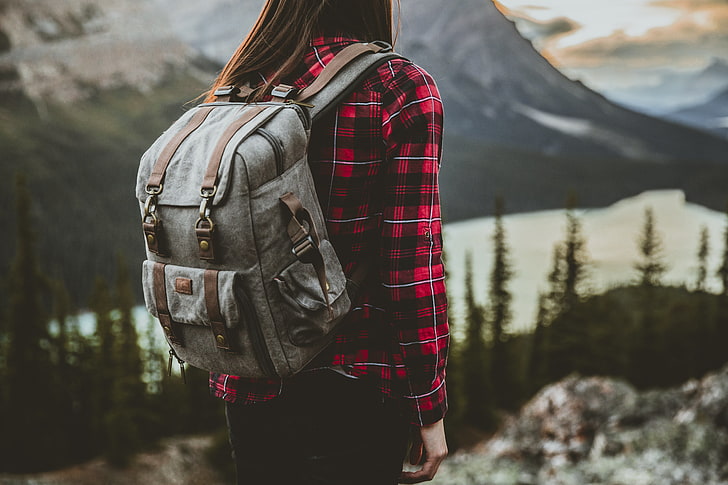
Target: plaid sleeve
412	272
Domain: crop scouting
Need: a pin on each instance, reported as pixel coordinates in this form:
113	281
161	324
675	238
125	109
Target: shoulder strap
346	71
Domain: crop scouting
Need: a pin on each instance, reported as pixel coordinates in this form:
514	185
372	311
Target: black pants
325	429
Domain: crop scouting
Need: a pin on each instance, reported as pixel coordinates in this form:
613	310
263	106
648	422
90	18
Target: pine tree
538	364
575	260
652	268
722	272
101	305
476	377
127	389
703	253
456	392
554	298
499	313
25	416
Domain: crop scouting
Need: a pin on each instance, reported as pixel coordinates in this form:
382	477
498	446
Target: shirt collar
331	39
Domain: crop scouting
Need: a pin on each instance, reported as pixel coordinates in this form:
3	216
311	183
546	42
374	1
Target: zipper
256	335
173	355
277	148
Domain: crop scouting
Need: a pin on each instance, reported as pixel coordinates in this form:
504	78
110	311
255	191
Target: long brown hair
281	35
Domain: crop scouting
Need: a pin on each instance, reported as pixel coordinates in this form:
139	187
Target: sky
624	42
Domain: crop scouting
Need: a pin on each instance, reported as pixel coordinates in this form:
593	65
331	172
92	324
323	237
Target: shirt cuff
429	408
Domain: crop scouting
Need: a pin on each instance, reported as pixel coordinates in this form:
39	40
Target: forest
68	395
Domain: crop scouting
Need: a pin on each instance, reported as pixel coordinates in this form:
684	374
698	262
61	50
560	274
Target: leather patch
183	286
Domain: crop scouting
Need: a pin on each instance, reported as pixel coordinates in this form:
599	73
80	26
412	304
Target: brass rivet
168	330
220	340
204	245
150	238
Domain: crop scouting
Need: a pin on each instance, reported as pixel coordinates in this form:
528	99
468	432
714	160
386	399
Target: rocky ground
580	431
599	431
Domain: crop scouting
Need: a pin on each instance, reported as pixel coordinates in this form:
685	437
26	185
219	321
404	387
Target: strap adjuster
386	47
302	247
284	91
227	91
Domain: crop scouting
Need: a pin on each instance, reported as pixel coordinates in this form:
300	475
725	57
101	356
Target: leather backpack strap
344	75
337	64
305	241
156	178
209	183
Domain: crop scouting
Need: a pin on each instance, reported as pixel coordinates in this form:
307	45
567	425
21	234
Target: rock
594	431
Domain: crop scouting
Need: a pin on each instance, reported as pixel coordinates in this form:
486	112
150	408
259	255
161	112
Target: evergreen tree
456	392
499	313
476	377
722	272
554	298
63	375
537	364
26	421
575	260
127	389
652	268
703	253
101	305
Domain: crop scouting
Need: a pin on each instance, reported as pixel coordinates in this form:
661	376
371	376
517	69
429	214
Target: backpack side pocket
309	320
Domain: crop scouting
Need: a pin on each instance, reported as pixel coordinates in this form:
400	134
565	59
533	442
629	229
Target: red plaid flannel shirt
375	162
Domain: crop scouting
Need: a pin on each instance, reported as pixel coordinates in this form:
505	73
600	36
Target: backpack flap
185	159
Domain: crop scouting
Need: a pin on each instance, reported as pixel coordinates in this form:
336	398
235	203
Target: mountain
500	90
497	88
711	116
67	51
675	90
85	87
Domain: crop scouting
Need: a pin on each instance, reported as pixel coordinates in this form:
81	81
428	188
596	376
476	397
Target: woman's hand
429	444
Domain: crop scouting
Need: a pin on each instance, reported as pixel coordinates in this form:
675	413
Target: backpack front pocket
309	318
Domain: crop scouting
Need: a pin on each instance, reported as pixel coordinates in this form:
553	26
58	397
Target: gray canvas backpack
239	269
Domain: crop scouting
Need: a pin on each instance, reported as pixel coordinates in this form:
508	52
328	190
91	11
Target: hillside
711	115
86	85
611	244
82	176
497	88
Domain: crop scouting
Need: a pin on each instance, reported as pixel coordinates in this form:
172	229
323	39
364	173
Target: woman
375	159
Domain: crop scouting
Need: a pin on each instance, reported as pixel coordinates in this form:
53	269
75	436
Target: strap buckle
284	91
386	47
226	91
302	247
154	190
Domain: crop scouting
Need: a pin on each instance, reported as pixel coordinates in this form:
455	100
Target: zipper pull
169	365
182	370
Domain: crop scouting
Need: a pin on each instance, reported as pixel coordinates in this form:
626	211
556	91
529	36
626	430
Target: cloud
699	34
688	4
539	32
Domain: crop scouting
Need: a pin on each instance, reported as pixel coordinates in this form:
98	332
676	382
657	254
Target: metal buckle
154	190
208	193
384	45
227	91
204	209
302	246
283	91
207	220
150	206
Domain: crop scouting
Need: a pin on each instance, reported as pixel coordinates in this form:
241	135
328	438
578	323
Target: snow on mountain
611	234
492	79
